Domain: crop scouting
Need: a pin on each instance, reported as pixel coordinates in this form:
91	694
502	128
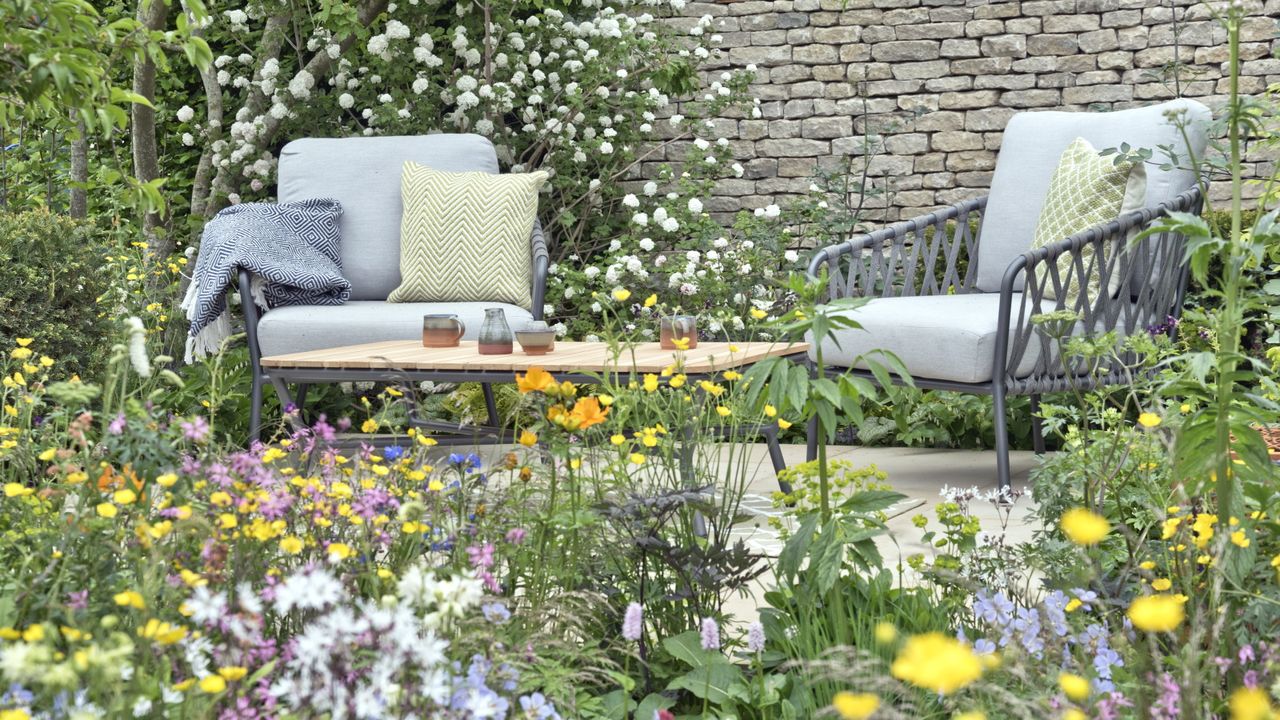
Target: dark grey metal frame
279	380
922	256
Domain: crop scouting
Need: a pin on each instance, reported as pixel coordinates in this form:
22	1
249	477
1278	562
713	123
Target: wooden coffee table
579	362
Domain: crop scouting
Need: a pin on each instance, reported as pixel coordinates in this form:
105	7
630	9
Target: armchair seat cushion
299	328
939	337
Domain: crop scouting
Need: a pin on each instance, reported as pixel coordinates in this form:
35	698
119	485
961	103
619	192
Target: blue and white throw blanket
292	249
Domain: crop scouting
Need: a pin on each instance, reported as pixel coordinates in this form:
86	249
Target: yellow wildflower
637	459
1084	527
937	662
621	294
130	598
232	673
758	314
1156	613
1250	704
14	489
162	632
1148	420
33	634
339	551
212	684
107	510
47	455
124	497
618	438
1073	686
651	300
855	706
1239	539
24	342
166	480
723	411
1161	584
369	426
885	633
1203	529
528	438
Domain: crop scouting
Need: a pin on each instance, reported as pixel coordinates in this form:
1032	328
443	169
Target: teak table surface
589	357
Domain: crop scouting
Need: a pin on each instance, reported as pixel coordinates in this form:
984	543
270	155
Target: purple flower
481	555
633	622
78	600
538	707
195	430
710	634
755	637
515	536
117	426
495	612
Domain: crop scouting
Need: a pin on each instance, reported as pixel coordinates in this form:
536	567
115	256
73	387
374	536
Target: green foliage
50	283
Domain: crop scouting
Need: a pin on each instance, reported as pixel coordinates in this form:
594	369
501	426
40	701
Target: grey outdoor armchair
363	174
954	292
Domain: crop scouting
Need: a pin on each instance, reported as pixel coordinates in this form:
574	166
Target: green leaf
687	648
869	501
797	547
719	684
827	558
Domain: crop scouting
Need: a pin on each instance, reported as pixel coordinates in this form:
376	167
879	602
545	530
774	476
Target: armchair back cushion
363	174
1029	152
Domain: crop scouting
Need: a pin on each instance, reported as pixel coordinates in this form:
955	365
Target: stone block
931	162
1037	64
1098	77
983	66
959	48
907	144
825	128
996	10
968	100
815	54
890	165
1013	46
1077	63
976	179
1132	38
789	148
768	37
1049	7
1259	29
1097	94
951	83
787	74
766	56
839	90
1055	80
1098	41
1030	98
829	73
838	35
987	119
920	70
1121	18
893	87
808	89
795	167
918	104
967	160
801	36
937	180
1023	26
934	31
1261	67
1117	60
1052	45
953	140
784	129
906	50
793	19
753	129
879	33
941	120
983	28
1004	82
1071	23
757	168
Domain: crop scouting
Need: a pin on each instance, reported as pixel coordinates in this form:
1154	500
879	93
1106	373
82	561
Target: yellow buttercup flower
784	424
1073	605
33	634
124	497
937	662
885	633
770	411
723	411
1073	686
651	300
1156	613
855	706
232	673
528	438
162	632
637	459
970	715
621	294
369	426
681	343
107	510
14	489
650	382
1148	420
1084	527
1074	714
1239	539
339	551
1250	704
617	438
1161	584
48	455
24	342
130	598
1203	529
212	684
758	314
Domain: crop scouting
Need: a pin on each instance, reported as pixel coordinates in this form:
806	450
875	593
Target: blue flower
495	612
465	463
395	452
537	706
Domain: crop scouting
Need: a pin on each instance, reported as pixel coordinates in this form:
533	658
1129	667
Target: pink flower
710	634
633	622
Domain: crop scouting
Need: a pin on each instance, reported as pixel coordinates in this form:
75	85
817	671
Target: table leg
770	432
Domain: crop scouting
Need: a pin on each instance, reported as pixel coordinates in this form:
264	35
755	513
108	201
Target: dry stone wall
935	82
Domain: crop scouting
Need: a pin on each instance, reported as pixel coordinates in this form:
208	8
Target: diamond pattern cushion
465	236
1087	189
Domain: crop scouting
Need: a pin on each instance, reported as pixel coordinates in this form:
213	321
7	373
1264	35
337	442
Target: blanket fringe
210	338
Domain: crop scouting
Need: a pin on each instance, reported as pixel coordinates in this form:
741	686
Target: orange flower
536	380
587	412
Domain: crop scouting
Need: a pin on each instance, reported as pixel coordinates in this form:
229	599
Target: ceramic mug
678	326
442	330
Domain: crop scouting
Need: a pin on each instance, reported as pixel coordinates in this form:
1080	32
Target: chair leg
1037	427
770	432
811	448
255	410
1002	438
490	405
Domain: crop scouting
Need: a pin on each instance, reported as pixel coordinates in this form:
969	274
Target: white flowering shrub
587	95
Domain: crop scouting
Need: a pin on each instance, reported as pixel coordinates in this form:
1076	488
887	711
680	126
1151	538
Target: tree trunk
152	14
79	172
227	180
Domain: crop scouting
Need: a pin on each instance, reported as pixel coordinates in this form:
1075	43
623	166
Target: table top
591	357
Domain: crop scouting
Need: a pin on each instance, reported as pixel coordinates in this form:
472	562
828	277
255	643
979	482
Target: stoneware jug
678	326
495	333
442	330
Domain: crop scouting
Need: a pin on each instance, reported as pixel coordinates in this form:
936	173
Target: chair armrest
905	259
541	263
251	316
1108	276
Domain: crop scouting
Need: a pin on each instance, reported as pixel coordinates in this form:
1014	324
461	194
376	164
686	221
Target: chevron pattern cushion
1086	189
464	236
